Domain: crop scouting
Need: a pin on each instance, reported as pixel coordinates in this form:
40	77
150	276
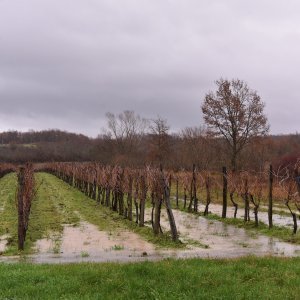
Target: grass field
247	278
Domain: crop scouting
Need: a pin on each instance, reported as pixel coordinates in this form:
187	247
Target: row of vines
124	190
24	196
128	191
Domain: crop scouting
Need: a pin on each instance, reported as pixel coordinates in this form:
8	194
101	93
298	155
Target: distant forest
175	151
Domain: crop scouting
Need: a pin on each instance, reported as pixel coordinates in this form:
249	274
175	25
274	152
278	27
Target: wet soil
85	243
278	220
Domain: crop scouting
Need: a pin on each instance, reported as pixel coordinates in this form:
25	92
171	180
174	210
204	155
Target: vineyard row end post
225	188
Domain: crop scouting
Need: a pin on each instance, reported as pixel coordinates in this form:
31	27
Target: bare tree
235	113
126	129
195	146
160	140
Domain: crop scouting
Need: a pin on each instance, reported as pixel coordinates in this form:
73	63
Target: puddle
227	240
86	243
3	242
278	220
49	244
87	239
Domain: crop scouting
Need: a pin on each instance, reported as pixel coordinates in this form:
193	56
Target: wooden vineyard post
177	192
208	197
129	198
246	199
143	195
225	187
193	191
270	208
21	233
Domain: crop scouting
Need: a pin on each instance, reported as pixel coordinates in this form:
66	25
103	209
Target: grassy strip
47	216
247	278
8	214
104	218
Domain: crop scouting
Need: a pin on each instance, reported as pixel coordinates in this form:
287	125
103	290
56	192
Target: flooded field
278	220
206	239
96	235
227	240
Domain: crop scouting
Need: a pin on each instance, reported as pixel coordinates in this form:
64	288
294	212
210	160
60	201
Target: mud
227	240
3	242
89	240
86	243
278	220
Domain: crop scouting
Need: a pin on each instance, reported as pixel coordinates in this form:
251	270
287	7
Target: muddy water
85	243
3	242
226	240
278	220
89	240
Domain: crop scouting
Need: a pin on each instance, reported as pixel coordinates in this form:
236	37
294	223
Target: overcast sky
64	64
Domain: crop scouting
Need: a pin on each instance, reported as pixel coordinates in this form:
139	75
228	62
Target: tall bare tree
160	140
235	113
195	147
126	129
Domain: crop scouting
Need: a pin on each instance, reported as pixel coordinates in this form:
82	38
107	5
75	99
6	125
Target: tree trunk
185	198
157	213
294	216
143	201
107	197
225	184
177	193
234	204
208	197
129	199
21	237
169	208
234	154
270	208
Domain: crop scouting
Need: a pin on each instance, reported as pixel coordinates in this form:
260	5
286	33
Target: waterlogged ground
215	240
227	240
86	242
282	219
67	227
278	220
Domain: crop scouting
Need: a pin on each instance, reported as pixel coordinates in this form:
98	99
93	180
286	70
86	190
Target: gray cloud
64	64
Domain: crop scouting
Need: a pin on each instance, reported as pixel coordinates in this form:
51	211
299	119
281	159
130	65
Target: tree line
235	133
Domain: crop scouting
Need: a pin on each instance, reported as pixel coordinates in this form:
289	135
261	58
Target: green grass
9	216
46	216
103	217
247	278
117	248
